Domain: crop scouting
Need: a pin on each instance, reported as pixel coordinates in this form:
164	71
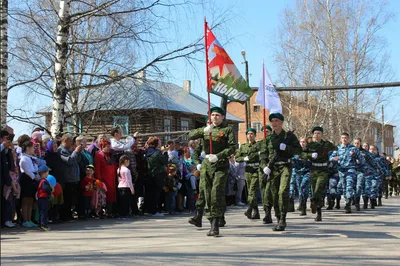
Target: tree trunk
60	88
3	62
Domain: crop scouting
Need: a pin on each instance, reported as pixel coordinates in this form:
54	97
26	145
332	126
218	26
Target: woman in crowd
29	165
106	172
156	175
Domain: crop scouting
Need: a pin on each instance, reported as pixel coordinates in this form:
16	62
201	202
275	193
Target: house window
256	108
123	123
71	127
167	128
184	127
257	126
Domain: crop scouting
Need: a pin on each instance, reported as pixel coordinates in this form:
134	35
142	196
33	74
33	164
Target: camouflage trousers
215	176
266	194
201	201
370	185
279	187
252	183
333	187
347	178
358	184
319	180
300	185
394	185
379	185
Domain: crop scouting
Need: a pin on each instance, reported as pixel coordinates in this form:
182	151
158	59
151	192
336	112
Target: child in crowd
99	199
11	195
125	186
191	187
170	188
45	191
87	188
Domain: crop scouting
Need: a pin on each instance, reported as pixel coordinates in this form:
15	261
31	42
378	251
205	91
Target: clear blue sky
257	21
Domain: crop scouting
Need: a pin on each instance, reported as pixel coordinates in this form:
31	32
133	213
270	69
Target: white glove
266	170
198	167
314	155
282	147
246	158
208	129
212	158
203	154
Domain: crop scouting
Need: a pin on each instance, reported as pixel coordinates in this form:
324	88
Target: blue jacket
349	157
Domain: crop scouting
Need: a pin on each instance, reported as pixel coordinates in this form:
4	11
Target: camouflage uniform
318	172
368	185
384	172
300	181
281	170
250	150
349	159
395	182
215	175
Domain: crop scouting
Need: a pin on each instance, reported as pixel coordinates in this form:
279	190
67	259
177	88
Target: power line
341	87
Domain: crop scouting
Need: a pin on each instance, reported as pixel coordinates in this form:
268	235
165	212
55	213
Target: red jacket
87	186
44	189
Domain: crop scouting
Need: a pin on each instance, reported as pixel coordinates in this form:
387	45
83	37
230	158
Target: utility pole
383	130
247	103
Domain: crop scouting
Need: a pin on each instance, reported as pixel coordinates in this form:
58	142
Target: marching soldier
279	148
249	154
318	152
215	167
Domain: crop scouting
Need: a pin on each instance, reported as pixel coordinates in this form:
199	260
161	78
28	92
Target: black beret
317	128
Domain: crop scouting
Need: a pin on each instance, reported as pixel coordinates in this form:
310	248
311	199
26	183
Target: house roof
130	94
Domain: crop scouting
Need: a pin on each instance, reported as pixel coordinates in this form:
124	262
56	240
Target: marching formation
281	168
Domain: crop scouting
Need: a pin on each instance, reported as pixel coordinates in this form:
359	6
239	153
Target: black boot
196	220
303	208
256	214
347	208
380	201
373	203
319	215
282	223
221	221
268	218
365	201
357	204
331	203
214	231
248	212
291	205
313	207
337	204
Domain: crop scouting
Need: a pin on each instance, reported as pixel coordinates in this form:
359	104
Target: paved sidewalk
370	237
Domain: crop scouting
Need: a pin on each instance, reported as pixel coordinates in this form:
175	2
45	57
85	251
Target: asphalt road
370	237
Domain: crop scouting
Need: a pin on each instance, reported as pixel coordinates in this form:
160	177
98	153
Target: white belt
252	164
281	163
319	164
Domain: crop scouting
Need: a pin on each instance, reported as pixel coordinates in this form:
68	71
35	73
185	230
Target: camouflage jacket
250	150
323	149
349	157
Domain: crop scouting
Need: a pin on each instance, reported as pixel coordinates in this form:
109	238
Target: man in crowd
215	167
279	148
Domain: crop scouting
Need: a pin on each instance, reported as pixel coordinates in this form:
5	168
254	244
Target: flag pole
264	93
208	81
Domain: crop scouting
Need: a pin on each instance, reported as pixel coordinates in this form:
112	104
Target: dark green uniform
201	202
319	169
266	193
215	175
250	150
281	169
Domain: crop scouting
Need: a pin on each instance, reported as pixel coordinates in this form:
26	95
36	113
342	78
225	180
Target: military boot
319	215
214	231
196	220
373	203
331	203
313	207
303	208
365	200
268	218
256	214
282	223
380	201
221	221
347	208
357	204
291	205
248	212
337	204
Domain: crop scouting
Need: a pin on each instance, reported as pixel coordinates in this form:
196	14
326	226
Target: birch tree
3	62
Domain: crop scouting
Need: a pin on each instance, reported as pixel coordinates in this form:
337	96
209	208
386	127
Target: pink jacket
125	178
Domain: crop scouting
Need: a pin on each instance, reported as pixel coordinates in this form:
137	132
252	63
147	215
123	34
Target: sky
253	30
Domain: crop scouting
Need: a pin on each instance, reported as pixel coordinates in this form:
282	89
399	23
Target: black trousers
152	198
43	205
69	191
125	201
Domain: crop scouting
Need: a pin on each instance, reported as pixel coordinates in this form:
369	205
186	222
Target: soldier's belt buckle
253	164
